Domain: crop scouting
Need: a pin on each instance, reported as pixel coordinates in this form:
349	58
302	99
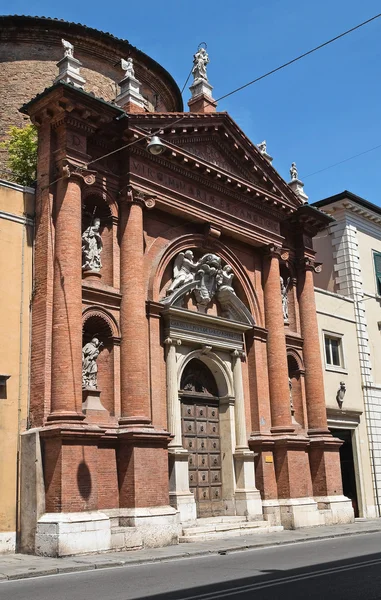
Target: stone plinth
69	71
91	275
92	401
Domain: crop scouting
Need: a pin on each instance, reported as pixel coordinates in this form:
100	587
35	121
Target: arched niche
96	205
214	365
295	374
100	325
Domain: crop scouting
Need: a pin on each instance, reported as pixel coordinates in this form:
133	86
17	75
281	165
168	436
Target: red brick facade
210	191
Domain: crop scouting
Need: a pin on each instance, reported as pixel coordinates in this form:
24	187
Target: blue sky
316	112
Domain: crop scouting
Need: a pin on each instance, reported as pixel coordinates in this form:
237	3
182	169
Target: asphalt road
342	568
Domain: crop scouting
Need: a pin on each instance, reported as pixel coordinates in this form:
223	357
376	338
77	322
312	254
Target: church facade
175	359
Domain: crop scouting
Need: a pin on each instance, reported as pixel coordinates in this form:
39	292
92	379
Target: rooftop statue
294	172
262	147
200	60
69	48
128	67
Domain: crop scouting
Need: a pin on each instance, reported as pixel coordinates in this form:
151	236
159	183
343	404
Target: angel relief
205	278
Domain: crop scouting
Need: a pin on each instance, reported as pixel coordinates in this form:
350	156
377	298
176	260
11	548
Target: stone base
7	542
91	401
300	512
66	534
248	501
157	525
91	275
185	504
336	510
271	512
180	497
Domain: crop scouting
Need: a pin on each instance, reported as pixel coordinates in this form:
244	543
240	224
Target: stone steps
221	527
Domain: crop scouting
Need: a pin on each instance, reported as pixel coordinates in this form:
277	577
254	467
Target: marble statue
262	147
92	247
128	67
224	279
291	400
200	60
284	290
209	269
294	172
184	270
90	353
341	393
69	48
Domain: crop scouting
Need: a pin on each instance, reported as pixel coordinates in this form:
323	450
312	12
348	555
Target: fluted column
66	395
276	345
135	395
173	402
239	405
314	382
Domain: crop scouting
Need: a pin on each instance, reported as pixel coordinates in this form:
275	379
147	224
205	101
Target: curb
170	557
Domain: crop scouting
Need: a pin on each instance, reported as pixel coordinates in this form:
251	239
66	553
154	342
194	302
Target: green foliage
22	154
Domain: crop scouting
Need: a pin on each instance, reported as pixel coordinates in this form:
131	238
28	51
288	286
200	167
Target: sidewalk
21	566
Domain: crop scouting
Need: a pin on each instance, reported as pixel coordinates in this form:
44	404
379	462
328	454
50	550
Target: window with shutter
377	268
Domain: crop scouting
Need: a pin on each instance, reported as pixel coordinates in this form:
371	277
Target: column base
247	498
180	497
300	512
7	542
66	534
335	509
157	525
65	417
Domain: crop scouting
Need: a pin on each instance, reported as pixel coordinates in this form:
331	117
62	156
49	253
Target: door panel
200	426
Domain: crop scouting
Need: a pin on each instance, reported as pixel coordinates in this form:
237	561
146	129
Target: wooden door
201	437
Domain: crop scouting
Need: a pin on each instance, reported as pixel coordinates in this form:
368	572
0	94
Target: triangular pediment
216	140
211	151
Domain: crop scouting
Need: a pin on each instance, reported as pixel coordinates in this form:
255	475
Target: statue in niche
200	60
284	292
128	67
291	400
90	353
294	172
184	270
341	393
68	47
210	267
92	247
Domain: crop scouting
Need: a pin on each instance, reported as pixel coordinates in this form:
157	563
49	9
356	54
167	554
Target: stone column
66	396
180	496
135	395
247	497
276	346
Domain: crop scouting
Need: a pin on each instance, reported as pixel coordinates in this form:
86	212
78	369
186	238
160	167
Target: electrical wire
342	161
290	62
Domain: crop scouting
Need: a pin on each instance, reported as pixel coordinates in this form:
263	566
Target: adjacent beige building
16	250
348	297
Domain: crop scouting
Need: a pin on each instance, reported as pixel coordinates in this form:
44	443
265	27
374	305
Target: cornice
209	175
353	207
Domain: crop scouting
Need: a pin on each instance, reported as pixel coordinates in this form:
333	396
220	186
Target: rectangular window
377	269
333	351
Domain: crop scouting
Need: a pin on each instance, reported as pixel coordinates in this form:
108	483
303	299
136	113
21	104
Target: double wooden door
201	437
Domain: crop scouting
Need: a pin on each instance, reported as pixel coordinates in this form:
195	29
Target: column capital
307	263
238	354
272	250
69	169
130	195
172	342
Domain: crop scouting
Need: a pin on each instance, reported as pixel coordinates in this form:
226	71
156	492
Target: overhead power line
342	161
294	60
290	62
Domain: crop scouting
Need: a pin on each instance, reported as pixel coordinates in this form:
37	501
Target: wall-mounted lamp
155	146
